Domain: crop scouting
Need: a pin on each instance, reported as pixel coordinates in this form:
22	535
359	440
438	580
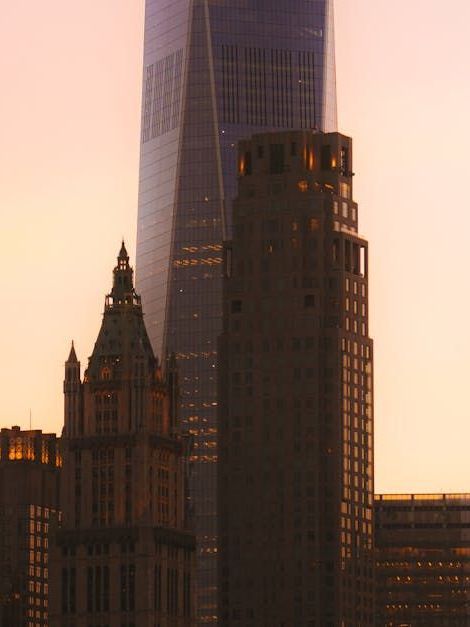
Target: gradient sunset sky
69	143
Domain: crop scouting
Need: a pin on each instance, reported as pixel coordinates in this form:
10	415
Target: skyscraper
29	501
295	410
123	556
214	72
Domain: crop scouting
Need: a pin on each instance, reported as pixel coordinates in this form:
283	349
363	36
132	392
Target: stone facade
123	555
295	393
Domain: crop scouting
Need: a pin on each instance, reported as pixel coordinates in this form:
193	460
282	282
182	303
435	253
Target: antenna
30	418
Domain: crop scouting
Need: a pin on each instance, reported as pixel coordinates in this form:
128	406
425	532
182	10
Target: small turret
73	423
72	356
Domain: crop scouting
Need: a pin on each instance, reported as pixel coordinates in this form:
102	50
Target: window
236	306
276	158
158	586
248	170
313	224
127	587
345	190
344	161
326	158
309	300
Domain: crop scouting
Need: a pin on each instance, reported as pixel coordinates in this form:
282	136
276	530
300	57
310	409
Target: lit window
313	224
344	190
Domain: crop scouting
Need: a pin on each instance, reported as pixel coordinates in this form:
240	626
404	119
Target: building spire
123	256
72	358
123	292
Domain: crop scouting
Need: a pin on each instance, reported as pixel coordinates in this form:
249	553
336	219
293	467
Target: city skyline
70	165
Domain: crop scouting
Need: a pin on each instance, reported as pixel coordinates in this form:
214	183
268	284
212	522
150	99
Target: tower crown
123	292
122	341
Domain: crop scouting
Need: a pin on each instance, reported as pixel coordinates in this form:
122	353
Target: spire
72	355
122	337
123	292
123	256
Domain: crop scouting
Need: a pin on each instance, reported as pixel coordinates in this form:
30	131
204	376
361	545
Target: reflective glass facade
215	71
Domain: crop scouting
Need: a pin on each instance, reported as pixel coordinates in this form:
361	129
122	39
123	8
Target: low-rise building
423	560
29	502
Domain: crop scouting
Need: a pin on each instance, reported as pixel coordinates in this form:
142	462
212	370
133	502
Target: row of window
98	590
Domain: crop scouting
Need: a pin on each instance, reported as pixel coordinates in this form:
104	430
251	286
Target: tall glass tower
215	71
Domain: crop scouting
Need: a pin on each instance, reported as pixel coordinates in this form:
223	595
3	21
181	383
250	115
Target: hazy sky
69	141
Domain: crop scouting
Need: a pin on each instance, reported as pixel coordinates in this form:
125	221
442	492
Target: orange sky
69	134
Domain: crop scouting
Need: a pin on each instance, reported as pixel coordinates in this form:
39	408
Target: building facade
295	401
214	72
29	507
123	556
423	560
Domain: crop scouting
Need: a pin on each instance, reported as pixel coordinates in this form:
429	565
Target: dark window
326	158
347	256
344	163
309	300
124	588
98	588
260	152
356	259
293	149
187	594
72	603
236	306
65	591
89	589
158	588
131	587
248	166
335	251
276	158
106	588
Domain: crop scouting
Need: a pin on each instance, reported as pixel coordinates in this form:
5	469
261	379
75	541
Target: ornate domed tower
123	555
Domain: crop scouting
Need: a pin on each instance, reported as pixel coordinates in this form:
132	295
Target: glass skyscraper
215	71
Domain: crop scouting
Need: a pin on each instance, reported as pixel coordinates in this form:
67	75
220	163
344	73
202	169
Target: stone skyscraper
295	406
214	72
123	556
